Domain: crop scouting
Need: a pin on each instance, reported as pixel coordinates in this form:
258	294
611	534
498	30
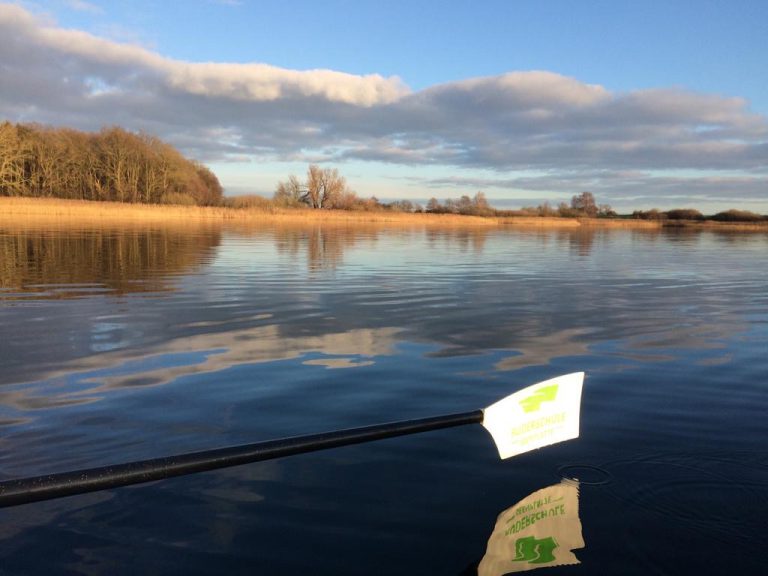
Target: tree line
325	188
476	206
732	215
110	165
582	205
118	165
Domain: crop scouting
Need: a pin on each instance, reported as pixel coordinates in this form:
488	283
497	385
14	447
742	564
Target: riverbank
18	210
15	209
52	209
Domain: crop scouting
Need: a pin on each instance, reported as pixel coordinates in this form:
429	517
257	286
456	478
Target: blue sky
652	104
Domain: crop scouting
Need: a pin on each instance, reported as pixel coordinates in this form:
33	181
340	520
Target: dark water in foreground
134	343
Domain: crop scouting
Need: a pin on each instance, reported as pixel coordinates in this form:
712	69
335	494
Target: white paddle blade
543	414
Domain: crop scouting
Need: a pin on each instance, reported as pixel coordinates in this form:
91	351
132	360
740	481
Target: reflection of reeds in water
60	263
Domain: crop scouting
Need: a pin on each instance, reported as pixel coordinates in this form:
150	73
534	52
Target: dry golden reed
28	210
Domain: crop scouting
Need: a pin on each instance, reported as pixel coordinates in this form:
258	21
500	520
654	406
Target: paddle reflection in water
540	531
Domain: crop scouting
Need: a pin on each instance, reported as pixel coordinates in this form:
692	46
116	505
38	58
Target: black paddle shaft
48	487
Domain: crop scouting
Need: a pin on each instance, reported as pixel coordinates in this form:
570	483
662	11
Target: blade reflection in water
542	530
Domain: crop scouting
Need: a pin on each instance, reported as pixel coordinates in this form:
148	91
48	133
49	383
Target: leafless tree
12	156
114	164
433	205
585	203
290	192
324	186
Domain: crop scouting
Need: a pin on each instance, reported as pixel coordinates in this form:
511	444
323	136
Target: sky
645	104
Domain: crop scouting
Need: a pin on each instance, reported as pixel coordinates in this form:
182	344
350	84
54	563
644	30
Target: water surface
129	343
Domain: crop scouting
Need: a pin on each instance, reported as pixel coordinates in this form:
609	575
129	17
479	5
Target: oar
539	415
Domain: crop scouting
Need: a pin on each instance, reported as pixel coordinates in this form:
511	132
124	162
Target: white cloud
261	82
534	121
134	66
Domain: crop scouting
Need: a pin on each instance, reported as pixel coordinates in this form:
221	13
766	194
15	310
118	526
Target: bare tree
324	187
464	205
112	165
480	201
12	156
480	205
606	211
346	200
313	194
433	205
585	203
289	193
211	191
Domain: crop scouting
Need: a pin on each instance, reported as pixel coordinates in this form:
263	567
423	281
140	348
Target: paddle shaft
48	487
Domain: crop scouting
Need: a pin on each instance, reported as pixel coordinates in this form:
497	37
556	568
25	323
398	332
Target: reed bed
51	210
620	223
15	209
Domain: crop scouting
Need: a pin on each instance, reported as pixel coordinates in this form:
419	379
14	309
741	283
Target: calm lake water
123	344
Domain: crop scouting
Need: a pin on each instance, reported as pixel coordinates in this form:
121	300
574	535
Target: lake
124	343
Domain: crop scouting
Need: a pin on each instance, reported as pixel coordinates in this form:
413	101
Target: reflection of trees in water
676	235
324	246
576	240
739	238
121	260
464	238
581	241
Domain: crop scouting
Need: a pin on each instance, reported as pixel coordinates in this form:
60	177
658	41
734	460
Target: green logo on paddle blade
535	551
533	403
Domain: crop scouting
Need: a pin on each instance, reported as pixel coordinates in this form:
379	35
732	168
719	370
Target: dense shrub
738	216
652	214
684	214
476	206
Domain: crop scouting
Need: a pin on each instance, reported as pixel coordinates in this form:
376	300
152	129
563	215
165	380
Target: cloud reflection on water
350	294
193	355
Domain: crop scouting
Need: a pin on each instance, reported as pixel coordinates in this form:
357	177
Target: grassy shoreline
15	210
